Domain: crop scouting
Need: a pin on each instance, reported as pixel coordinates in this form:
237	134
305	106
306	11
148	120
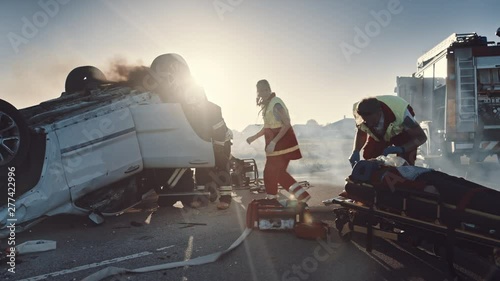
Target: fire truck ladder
467	91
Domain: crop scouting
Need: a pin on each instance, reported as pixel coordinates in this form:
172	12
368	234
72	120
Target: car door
98	148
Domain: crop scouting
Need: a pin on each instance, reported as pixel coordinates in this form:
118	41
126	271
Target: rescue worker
386	125
206	119
281	144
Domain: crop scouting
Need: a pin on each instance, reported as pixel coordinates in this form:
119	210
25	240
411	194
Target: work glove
270	147
394	150
354	157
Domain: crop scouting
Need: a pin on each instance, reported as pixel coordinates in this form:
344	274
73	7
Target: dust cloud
326	149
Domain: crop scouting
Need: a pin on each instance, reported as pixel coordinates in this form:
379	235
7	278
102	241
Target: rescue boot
271	197
299	192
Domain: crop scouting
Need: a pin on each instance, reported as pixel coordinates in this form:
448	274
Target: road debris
35	246
190	224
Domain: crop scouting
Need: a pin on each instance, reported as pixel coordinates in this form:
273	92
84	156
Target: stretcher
416	204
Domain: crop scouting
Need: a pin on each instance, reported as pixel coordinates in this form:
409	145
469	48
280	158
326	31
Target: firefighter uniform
394	110
286	149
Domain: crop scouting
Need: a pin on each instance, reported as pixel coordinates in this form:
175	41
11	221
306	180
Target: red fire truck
456	95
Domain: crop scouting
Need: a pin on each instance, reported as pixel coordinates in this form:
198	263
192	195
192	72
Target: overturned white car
97	149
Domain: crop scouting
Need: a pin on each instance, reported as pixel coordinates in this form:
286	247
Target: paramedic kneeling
386	125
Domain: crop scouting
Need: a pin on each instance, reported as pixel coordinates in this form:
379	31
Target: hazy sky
312	52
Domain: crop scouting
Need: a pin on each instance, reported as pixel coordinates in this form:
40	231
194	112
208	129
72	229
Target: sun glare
210	76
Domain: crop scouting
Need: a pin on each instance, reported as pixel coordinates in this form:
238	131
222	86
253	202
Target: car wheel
14	136
84	78
171	72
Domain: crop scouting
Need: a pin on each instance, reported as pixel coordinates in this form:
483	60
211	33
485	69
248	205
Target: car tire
14	136
171	71
84	78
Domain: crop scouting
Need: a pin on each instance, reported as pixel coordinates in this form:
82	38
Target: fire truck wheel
14	136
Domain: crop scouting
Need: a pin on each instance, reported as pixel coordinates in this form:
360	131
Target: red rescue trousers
275	173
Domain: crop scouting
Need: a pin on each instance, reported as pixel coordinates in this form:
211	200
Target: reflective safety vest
288	144
398	107
270	120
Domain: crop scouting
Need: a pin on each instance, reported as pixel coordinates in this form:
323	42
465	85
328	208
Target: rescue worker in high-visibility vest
386	125
206	118
281	144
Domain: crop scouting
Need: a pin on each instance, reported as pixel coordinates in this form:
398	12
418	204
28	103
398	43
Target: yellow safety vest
270	123
397	105
270	120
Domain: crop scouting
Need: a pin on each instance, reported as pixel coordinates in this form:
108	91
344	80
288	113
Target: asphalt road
149	236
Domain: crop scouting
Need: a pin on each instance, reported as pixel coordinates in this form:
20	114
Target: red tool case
270	210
